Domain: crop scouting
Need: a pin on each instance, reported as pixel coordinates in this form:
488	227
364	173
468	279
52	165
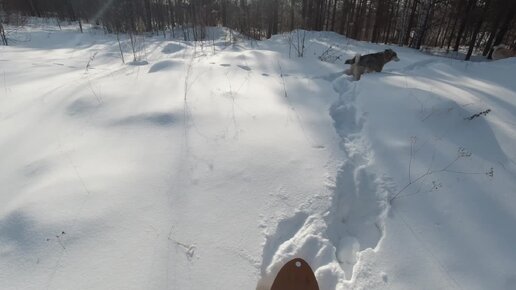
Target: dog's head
389	55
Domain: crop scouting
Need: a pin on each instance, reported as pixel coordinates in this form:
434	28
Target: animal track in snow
355	220
331	242
156	119
244	67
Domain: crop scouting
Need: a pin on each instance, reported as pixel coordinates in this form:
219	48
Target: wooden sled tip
295	275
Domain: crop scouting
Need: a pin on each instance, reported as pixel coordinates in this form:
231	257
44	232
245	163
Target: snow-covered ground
208	165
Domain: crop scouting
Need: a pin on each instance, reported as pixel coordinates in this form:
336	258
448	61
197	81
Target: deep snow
208	165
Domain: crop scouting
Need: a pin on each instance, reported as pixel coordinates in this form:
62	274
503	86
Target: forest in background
475	25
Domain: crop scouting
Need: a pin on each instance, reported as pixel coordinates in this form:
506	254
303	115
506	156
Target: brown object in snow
295	275
501	52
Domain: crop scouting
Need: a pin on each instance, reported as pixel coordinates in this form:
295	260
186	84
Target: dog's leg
355	67
356	72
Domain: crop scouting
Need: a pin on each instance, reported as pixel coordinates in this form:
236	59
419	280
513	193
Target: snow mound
164	65
171	48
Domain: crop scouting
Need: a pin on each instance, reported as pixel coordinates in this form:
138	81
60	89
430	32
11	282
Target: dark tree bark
424	28
275	14
410	22
492	34
392	17
511	11
304	9
34	9
445	32
392	24
509	16
377	20
357	23
464	20
344	14
333	15
292	6
273	18
2	34
477	30
351	18
148	16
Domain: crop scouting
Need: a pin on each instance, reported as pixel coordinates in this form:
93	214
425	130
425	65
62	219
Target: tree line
448	24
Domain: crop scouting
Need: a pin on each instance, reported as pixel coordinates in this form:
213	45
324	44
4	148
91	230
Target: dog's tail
353	60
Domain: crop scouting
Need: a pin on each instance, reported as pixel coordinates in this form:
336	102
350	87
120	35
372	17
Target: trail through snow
332	241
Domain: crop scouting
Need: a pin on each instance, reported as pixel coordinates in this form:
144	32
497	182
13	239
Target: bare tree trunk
319	18
172	17
445	32
450	38
376	25
304	9
367	31
327	14
438	35
410	22
391	19
275	14
148	16
477	30
424	28
133	45
344	14
34	8
2	34
358	20
463	23
492	34
392	25
403	24
292	5
333	15
120	47
350	24
505	26
224	13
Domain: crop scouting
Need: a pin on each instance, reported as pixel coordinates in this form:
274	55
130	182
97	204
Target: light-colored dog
355	70
501	51
373	62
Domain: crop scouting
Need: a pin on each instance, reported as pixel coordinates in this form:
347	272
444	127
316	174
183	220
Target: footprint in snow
341	84
138	63
244	67
82	106
156	119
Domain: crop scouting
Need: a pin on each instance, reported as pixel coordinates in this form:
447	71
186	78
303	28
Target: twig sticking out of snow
483	113
461	153
58	237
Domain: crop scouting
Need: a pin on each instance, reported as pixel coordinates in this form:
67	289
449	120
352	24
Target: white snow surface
208	165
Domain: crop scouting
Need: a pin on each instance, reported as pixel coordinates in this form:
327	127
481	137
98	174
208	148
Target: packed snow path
209	164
